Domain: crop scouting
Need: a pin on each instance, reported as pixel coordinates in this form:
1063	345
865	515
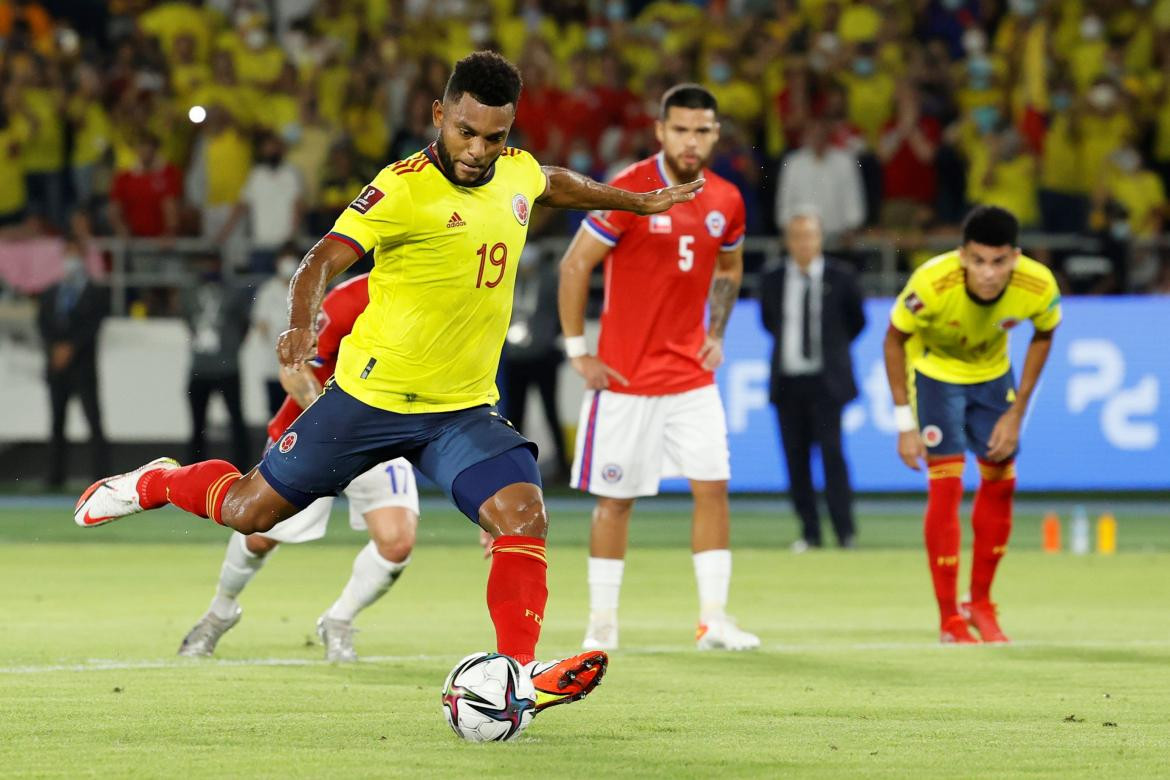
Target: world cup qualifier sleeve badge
520	208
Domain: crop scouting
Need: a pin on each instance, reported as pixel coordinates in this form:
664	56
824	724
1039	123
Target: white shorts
389	484
627	444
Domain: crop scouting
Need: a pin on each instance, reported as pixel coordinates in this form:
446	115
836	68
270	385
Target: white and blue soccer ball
488	698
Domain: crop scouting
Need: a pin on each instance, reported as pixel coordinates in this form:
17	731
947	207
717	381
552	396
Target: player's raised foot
982	617
954	632
602	633
113	497
567	680
723	634
337	636
201	640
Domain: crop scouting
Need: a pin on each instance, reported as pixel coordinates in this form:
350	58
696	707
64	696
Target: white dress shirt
792	360
831	184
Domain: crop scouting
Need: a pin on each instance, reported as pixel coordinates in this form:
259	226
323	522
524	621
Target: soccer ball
488	698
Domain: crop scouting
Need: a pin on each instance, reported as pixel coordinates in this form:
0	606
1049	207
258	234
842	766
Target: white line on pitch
101	665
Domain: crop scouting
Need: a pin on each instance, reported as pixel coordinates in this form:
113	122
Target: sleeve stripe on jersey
354	245
600	233
736	244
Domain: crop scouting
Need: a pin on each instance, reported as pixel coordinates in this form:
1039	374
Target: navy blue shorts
340	437
954	417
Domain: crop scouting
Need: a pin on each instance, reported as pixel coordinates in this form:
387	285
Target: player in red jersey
652	408
383	500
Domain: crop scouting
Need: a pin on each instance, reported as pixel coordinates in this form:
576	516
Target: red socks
199	488
992	522
941	529
516	594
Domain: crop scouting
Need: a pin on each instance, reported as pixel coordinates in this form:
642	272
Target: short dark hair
486	76
688	96
991	225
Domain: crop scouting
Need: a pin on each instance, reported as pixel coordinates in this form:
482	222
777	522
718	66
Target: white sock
372	577
713	575
239	567
605	586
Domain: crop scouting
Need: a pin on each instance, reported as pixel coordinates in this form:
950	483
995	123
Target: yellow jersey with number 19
961	340
445	258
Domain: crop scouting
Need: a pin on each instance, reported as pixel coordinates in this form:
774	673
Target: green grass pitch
850	681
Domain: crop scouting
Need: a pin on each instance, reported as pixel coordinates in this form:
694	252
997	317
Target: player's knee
612	510
709	488
515	510
394	534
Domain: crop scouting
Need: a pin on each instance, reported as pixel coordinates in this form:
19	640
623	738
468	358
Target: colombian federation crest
716	223
287	442
520	208
932	436
1008	323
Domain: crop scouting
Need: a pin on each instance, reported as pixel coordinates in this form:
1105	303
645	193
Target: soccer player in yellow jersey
415	377
949	332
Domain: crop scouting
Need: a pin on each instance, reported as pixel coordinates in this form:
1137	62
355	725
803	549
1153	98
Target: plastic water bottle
1080	531
1050	532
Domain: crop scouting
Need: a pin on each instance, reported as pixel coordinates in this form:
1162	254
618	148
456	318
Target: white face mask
1101	97
287	266
1127	160
1091	28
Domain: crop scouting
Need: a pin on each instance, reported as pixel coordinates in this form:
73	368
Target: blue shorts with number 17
340	437
954	417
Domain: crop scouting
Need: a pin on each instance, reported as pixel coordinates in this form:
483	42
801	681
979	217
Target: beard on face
448	162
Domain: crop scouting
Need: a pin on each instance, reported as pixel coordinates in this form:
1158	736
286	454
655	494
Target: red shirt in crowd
904	176
140	193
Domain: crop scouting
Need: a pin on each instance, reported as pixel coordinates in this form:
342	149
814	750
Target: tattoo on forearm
724	291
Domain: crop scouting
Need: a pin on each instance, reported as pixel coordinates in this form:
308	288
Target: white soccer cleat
201	640
723	634
602	634
337	636
113	497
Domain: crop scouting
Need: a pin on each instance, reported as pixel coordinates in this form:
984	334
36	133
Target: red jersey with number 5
657	278
339	310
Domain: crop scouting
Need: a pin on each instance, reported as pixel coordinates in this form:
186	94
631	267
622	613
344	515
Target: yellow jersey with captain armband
445	258
959	339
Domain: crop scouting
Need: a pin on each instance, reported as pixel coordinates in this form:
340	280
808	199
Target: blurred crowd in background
252	123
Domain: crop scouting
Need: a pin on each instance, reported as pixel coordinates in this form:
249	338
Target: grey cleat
201	640
337	636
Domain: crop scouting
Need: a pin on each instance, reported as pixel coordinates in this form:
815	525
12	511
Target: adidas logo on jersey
456	220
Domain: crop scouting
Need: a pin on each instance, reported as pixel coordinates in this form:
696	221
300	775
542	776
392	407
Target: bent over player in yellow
948	335
415	377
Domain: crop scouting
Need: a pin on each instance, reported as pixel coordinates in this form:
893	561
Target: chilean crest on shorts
611	472
520	208
716	223
287	442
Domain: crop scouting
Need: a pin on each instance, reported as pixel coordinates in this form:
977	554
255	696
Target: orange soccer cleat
954	632
982	616
567	680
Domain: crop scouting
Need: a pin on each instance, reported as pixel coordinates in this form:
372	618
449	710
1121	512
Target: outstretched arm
323	262
720	301
570	190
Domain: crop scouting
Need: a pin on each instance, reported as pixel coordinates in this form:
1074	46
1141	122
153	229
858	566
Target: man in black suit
69	315
812	307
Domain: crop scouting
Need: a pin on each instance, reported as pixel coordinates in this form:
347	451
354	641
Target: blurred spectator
1004	174
270	319
14	133
532	354
1137	191
69	317
1064	201
271	198
217	316
870	93
907	149
44	151
738	99
310	141
1105	127
144	199
342	184
18	15
92	135
418	130
812	308
538	116
825	179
